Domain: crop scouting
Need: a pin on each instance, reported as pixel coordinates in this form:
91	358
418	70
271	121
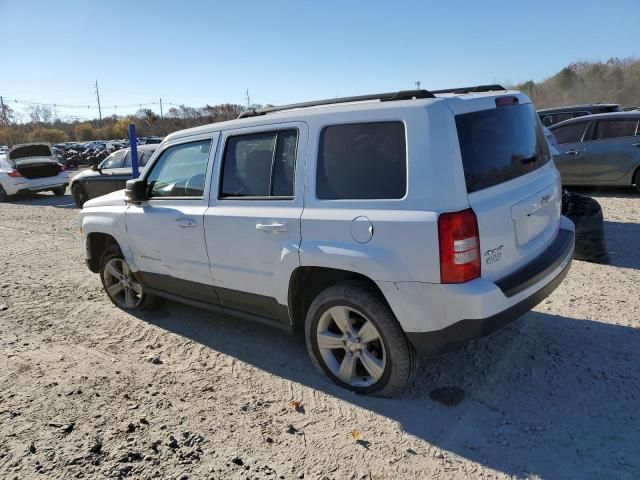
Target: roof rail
383	97
476	89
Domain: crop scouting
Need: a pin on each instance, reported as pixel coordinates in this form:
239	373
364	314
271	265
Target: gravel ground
87	390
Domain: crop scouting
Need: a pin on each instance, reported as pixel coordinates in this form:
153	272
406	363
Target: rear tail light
14	174
459	246
61	167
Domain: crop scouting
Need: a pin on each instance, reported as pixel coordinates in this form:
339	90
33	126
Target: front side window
570	133
114	160
615	129
260	165
362	161
180	171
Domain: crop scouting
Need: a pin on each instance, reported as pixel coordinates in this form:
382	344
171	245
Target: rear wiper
527	161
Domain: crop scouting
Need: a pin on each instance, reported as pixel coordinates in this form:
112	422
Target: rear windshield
500	144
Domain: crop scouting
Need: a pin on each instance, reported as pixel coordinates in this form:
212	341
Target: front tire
59	191
636	180
121	285
354	338
79	194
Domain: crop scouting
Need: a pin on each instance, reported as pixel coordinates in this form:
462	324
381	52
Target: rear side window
570	133
362	161
500	144
260	165
615	128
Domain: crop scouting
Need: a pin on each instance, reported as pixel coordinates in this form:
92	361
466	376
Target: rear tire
59	191
79	194
636	180
354	339
121	285
3	194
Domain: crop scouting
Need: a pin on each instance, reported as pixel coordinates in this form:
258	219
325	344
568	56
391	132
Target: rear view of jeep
511	247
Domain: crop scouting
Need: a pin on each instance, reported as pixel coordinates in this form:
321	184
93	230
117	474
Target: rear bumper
42	188
456	335
438	317
20	184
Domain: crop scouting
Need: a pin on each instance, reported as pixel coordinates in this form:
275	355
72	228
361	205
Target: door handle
271	227
635	144
185	222
572	152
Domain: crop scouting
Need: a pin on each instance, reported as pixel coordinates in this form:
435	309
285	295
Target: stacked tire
586	214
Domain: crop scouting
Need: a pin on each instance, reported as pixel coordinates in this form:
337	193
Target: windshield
114	160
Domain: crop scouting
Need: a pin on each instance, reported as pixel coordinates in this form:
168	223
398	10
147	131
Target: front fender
109	222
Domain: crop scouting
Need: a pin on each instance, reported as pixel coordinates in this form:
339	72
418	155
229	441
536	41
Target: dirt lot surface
87	390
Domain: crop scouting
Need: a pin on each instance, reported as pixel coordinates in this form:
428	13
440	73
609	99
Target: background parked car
599	149
31	167
551	116
110	175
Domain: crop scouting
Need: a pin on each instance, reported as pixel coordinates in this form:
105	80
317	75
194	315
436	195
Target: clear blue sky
211	52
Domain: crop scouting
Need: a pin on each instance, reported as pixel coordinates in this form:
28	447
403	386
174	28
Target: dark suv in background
551	116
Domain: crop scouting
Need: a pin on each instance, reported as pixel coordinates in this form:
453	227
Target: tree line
42	126
614	81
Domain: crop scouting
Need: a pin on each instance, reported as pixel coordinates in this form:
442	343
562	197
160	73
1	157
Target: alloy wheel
121	285
351	346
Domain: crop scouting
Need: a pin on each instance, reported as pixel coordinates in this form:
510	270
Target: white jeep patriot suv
382	226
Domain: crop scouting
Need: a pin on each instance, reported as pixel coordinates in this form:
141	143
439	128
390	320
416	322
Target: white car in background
31	167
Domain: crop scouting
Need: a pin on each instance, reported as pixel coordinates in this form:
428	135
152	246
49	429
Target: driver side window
180	171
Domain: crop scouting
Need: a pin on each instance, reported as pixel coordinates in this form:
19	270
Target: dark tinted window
553	118
180	171
500	144
615	129
570	133
362	161
260	165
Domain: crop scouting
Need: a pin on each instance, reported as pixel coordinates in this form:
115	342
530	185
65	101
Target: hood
86	173
112	199
32	151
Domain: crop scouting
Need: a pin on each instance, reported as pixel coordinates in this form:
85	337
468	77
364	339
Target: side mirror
94	167
136	190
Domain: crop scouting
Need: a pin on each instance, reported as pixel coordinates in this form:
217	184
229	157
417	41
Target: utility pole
417	84
5	121
98	97
161	116
248	99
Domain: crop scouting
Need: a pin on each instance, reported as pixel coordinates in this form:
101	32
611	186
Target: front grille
39	171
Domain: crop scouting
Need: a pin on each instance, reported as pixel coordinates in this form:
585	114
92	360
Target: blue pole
134	150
